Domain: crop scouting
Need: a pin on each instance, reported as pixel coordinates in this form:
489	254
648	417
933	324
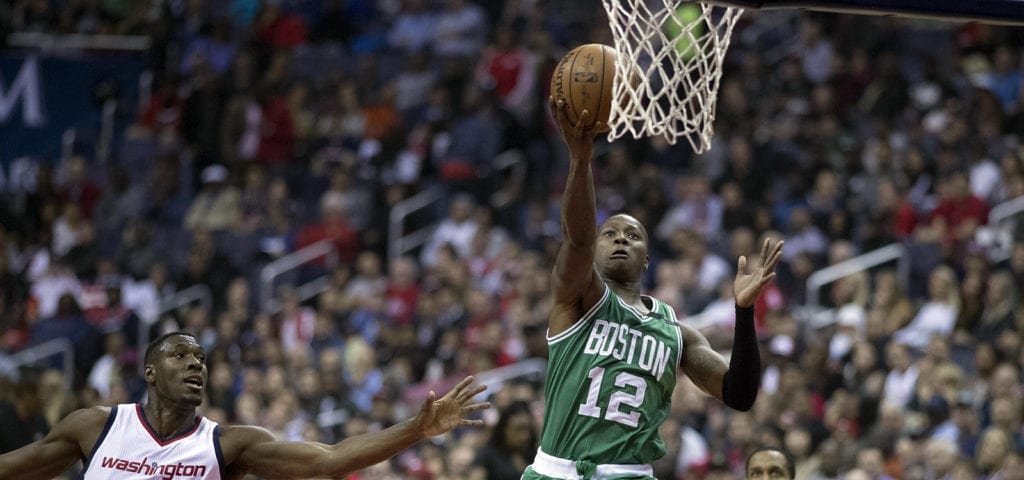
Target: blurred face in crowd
871	461
519	431
1006	412
829	452
951	187
864	357
798	442
896	357
1005	381
1000	286
993	447
741	429
940	456
888	196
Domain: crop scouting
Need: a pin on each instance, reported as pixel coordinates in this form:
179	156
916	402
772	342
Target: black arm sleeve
743	379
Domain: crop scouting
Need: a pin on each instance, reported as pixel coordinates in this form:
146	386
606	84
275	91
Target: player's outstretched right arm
52	455
575	283
255	450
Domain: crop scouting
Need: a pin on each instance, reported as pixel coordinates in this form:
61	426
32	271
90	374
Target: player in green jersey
614	353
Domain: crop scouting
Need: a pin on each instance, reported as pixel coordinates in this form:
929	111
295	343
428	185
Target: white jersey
129	448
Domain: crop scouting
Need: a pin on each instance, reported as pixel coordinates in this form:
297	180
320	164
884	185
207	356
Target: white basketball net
673	50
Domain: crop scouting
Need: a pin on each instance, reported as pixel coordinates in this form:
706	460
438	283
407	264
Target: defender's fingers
772	262
764	250
459	387
471	423
741	265
469	394
778	246
476	406
767	278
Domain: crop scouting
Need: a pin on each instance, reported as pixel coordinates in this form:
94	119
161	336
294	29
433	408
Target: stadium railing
400	242
9	364
323	249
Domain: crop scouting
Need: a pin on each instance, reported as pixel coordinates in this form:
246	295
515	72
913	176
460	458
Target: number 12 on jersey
618	398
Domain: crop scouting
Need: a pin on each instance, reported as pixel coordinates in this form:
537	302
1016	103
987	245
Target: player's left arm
263	455
737	382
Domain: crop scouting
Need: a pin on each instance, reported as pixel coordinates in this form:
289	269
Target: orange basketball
583	78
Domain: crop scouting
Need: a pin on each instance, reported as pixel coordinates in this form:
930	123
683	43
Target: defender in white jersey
166	438
129	447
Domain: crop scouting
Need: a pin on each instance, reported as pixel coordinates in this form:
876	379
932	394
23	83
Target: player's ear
148	373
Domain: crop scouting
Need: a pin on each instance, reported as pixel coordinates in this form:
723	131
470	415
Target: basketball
583	78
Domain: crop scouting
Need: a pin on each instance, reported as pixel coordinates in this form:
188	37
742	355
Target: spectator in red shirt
959	212
78	188
333	226
510	69
277	136
165	108
278	29
403	290
897	215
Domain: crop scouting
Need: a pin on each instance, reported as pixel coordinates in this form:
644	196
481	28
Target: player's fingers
764	250
464	383
772	262
469	394
428	404
767	279
741	265
476	406
471	423
457	390
582	121
778	246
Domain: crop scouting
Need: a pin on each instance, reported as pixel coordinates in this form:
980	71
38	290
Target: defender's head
175	368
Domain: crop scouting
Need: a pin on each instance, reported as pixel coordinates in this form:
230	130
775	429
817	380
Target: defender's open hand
449	412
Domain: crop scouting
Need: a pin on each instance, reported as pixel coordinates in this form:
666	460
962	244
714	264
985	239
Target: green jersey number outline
617	399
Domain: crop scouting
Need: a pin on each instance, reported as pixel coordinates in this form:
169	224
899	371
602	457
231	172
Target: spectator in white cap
217	206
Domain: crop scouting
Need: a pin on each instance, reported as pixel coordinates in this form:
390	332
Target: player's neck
629	292
168	418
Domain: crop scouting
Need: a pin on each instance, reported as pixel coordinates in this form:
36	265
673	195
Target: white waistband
555	467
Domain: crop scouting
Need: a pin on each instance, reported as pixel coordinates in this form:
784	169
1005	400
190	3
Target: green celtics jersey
609	383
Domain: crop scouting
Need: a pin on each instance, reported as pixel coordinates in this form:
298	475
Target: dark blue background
67	87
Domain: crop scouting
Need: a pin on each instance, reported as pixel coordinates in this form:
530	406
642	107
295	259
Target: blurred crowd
276	124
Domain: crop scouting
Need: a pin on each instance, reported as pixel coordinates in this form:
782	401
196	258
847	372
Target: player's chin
193	398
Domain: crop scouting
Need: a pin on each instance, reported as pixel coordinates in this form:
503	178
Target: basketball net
672	52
